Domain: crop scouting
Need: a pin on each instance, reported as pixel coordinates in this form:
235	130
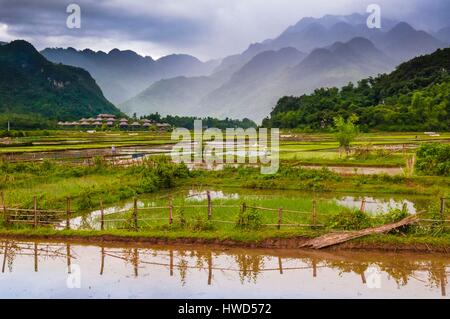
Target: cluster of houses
111	121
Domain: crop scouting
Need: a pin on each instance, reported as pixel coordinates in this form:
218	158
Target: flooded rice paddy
327	202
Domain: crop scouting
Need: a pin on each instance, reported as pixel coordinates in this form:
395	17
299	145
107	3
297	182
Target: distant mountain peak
22	45
25	53
402	28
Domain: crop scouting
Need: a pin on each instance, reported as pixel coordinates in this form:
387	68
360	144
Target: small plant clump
249	219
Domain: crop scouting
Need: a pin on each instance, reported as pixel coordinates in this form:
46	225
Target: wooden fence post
241	215
442	208
363	205
68	213
208	195
405	208
135	215
314	212
102	216
5	214
280	217
35	212
170	212
280	265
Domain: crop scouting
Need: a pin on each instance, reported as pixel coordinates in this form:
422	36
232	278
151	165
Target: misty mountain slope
327	21
334	66
180	95
443	35
309	34
250	84
123	74
403	42
30	84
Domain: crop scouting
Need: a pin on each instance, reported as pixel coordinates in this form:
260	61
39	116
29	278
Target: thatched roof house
106	116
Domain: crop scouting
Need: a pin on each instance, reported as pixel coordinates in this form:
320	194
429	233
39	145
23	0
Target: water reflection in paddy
373	204
47	270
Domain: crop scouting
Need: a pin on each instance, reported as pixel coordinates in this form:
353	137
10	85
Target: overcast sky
204	28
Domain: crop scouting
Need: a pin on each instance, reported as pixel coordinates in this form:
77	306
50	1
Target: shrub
249	219
393	216
350	220
433	159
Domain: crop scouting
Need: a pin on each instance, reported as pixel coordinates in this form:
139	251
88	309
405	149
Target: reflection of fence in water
13	249
247	266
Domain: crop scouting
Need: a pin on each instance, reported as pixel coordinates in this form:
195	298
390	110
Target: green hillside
416	96
29	84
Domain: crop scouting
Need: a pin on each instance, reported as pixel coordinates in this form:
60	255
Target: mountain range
123	74
30	84
313	53
330	51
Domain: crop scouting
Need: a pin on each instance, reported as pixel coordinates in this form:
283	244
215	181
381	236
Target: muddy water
63	270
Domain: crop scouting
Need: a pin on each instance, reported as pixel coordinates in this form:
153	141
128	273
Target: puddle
376	206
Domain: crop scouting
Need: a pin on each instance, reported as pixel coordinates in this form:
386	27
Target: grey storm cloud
206	28
99	18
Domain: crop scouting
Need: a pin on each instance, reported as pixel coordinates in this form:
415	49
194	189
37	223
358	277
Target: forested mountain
124	74
416	96
30	84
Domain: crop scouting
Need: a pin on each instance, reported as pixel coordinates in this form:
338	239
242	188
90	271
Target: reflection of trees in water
401	270
431	270
249	266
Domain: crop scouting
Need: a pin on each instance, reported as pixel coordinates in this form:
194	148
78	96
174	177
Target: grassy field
53	182
385	149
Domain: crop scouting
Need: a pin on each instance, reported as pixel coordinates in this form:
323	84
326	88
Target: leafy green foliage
188	121
434	159
416	96
346	131
249	219
350	220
